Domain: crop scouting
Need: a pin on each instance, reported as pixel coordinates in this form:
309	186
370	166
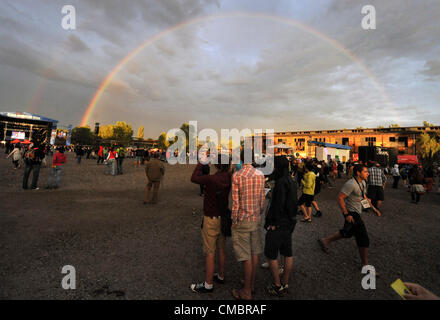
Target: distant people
352	199
396	176
215	201
33	158
416	180
100	155
79	153
280	223
376	184
155	171
16	156
139	153
308	192
58	160
111	162
319	182
120	159
429	178
248	196
404	175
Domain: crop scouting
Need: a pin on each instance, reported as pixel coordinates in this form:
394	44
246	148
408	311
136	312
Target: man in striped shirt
247	205
376	184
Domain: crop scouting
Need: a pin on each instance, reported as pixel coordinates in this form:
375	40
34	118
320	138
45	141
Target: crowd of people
272	203
259	202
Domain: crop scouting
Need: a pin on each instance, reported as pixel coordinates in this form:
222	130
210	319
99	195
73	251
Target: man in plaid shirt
376	184
247	205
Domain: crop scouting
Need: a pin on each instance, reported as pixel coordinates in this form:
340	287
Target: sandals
323	247
307	220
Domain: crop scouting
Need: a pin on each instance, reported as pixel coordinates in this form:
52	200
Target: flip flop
323	247
237	296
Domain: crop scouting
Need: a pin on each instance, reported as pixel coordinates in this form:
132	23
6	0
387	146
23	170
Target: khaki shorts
246	240
212	235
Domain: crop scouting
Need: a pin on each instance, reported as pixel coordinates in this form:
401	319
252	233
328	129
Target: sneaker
200	288
265	265
36	188
318	214
273	290
218	280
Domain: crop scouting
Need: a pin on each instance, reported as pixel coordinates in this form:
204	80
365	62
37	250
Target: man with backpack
32	158
217	187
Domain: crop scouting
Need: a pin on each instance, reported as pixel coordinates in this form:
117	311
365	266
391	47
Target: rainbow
335	44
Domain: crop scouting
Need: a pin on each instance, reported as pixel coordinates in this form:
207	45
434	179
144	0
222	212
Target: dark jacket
283	205
218	181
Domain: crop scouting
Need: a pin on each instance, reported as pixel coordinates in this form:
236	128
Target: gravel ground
122	249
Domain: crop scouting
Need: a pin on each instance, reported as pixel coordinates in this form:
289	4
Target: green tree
427	124
140	134
429	148
185	128
82	135
120	131
163	141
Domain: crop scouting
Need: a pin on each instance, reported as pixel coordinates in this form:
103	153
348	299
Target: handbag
419	189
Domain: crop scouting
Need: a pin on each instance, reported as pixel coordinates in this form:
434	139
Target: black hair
358	168
223	167
281	167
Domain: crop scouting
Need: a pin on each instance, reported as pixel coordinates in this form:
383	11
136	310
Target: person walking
396	176
155	171
58	160
352	200
16	156
248	196
218	187
280	222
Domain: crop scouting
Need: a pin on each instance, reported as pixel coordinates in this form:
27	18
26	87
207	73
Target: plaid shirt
377	177
247	194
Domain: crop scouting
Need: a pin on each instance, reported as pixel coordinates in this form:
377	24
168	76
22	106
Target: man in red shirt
58	160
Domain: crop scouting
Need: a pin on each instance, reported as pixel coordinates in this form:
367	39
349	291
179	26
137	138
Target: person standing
416	180
58	160
111	162
155	171
79	153
280	223
308	192
376	184
396	176
120	159
16	156
217	187
33	158
352	199
248	196
100	155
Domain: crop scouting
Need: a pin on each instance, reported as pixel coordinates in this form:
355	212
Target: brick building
403	139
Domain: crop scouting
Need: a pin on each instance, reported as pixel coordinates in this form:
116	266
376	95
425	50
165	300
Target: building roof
27	116
330	145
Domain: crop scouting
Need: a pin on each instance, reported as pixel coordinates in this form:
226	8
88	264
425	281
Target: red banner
407	159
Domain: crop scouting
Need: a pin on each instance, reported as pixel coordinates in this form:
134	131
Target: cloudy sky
277	64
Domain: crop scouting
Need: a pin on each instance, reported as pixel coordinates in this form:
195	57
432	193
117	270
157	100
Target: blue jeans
57	172
112	163
27	172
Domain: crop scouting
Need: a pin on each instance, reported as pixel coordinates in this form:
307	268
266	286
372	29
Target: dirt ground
122	249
